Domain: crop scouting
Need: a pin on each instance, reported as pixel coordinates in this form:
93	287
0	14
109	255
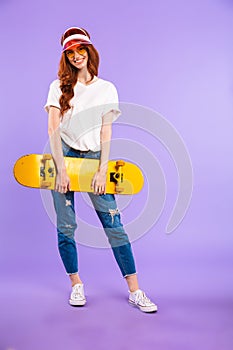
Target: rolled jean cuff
71	273
130	274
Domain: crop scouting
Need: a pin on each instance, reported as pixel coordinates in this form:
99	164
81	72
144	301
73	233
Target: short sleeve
111	102
53	95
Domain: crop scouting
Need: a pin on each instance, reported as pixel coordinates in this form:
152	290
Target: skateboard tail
24	171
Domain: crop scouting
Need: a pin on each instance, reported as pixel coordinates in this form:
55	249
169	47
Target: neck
84	76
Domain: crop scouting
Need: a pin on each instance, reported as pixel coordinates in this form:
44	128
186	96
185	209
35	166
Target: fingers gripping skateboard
47	174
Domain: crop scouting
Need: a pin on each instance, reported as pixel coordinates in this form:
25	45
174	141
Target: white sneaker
77	297
140	300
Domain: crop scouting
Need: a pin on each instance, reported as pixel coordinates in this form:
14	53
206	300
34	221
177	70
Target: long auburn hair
68	74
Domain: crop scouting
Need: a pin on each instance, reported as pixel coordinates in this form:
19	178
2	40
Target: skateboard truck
118	176
47	171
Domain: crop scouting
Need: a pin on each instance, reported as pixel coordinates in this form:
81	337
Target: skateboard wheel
45	183
50	170
120	163
47	156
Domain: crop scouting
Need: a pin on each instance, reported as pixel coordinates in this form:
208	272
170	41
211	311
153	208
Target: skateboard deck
38	171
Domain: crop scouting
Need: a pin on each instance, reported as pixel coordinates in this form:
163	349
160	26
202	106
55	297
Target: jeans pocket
65	148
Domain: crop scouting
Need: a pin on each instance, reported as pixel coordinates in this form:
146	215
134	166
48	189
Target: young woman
81	110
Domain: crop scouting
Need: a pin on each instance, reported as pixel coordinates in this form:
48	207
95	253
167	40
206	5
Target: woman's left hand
99	182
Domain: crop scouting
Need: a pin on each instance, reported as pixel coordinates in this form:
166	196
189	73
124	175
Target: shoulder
108	90
55	84
106	84
54	88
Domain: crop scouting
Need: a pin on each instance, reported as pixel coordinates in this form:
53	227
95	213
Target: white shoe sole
148	309
77	302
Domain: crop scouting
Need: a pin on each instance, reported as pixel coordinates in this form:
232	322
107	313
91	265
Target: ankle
75	279
133	291
132	282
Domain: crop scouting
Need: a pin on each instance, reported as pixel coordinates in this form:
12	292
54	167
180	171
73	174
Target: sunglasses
81	50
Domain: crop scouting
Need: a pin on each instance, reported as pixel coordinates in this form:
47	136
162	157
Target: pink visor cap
76	39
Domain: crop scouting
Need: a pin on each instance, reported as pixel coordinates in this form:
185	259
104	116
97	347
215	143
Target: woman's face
77	56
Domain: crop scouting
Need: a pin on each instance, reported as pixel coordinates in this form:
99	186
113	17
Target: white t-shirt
80	126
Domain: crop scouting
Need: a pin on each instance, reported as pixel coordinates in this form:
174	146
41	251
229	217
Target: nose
77	55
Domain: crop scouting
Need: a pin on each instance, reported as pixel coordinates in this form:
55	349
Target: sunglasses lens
70	54
81	50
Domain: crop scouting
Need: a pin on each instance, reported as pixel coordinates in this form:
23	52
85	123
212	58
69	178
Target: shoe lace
142	299
77	291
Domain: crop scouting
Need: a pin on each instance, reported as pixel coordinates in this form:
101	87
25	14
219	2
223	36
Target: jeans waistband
72	152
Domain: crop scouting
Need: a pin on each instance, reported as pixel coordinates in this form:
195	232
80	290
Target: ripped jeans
106	209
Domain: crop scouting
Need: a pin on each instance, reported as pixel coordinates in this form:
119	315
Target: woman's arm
62	179
99	180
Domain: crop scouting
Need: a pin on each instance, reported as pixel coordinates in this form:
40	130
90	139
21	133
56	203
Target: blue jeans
106	209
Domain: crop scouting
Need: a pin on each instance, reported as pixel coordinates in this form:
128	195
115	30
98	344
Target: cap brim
69	45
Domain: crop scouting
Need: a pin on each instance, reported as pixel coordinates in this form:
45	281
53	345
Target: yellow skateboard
38	171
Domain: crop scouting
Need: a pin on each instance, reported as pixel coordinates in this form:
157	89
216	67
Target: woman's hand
62	181
99	182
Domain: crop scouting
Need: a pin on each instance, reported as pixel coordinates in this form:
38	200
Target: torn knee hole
113	212
69	226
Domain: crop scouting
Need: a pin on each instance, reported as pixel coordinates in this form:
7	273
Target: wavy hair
68	74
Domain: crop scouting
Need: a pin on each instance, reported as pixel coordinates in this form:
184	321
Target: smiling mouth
78	61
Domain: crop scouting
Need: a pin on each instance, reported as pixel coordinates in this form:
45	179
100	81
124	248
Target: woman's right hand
62	181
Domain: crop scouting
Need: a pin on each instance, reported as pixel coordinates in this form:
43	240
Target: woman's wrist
103	168
61	169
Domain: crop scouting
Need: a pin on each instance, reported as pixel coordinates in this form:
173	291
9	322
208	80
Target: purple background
176	58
